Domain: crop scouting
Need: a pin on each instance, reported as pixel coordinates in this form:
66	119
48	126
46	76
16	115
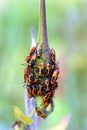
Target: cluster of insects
41	78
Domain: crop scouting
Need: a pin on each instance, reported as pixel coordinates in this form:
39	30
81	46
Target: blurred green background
67	31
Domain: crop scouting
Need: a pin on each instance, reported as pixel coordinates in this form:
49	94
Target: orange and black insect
47	83
52	53
55	76
47	97
48	69
30	79
35	80
33	59
40	113
40	68
29	89
38	48
30	70
46	103
25	74
56	66
28	58
40	90
43	82
54	86
34	90
32	51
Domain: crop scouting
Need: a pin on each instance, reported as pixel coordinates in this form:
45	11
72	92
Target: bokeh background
67	30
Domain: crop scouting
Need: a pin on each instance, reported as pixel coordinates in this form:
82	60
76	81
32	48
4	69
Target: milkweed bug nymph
35	80
47	82
52	53
47	99
40	113
29	89
40	90
47	96
30	70
38	48
30	95
30	79
55	76
28	58
48	69
32	51
26	71
40	68
34	91
25	74
46	103
56	66
54	86
33	59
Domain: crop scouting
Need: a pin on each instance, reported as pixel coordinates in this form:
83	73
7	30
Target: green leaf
25	119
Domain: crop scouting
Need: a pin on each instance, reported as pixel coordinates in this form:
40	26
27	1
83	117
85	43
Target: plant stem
30	108
43	41
30	103
43	35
